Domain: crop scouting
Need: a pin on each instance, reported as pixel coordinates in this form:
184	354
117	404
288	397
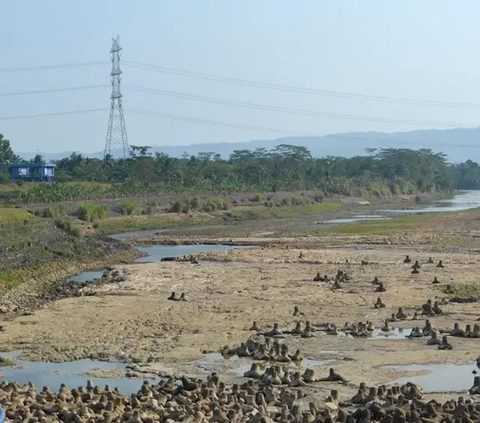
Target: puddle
239	371
357	219
72	374
87	276
265	233
396	333
210	362
157	252
442	378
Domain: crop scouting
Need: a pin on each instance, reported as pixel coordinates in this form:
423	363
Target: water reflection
87	276
157	252
466	200
73	374
441	378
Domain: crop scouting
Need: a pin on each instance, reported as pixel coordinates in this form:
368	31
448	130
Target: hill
459	144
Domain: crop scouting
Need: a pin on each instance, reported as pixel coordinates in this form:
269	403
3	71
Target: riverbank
38	253
134	321
117	216
49	243
131	319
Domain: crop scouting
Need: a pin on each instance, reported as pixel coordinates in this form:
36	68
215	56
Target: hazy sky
424	49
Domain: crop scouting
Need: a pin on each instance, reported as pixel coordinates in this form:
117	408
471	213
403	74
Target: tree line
285	167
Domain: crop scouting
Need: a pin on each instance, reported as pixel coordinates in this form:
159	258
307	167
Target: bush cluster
195	204
129	207
90	212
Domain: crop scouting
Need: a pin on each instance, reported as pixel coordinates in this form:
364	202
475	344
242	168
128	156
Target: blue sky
418	49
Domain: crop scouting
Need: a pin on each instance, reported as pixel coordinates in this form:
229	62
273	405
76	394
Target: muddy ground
227	291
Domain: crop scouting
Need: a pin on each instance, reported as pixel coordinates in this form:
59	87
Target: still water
157	252
441	378
465	200
72	374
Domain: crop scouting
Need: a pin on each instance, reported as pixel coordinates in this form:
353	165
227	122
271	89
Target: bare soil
229	290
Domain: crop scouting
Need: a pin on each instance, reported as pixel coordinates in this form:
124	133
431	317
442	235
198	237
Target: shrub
194	203
257	198
176	207
226	204
68	228
54	212
89	212
129	207
300	201
395	188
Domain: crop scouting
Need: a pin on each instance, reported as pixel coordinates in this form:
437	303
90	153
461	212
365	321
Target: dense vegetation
284	168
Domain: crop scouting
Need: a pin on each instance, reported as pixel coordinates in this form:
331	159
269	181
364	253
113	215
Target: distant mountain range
459	144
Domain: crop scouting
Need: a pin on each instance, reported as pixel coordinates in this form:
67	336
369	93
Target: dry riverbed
134	321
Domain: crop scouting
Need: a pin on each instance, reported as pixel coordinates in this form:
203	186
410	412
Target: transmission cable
215	122
53	90
74	112
292	88
256	106
50	67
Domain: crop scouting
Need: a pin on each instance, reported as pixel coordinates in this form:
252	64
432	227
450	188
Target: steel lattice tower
116	131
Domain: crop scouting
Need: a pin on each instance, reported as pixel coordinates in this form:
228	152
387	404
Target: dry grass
12	215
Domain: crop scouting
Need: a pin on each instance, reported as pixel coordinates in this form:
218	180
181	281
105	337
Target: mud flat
133	321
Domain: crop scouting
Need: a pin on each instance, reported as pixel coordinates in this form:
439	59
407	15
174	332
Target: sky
411	49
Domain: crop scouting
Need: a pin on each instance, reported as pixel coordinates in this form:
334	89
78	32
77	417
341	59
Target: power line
257	106
54	90
50	67
191	120
74	112
234	103
258	84
162	115
215	122
302	90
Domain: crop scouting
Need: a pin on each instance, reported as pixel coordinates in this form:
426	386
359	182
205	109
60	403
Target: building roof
29	165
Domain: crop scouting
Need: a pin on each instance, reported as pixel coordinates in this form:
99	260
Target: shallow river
53	374
465	200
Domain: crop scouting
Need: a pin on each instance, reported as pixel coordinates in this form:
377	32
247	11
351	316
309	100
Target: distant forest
379	172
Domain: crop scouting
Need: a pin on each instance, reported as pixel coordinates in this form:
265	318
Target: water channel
464	200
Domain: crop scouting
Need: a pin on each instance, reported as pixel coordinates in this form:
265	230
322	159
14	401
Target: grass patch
382	227
8	281
7	361
283	212
13	215
120	224
464	291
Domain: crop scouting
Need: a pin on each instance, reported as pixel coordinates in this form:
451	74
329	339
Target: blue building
30	172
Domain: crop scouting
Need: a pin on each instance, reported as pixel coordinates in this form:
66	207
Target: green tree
6	152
